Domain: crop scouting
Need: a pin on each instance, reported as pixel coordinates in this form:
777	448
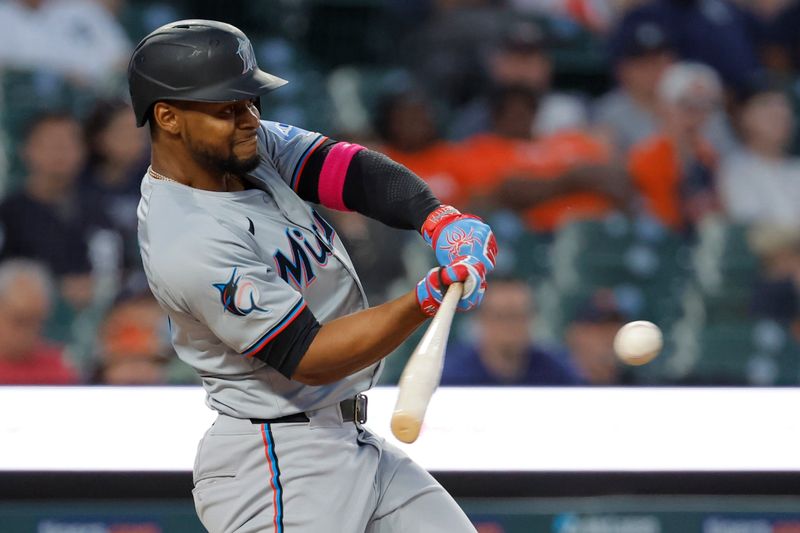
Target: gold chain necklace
158	176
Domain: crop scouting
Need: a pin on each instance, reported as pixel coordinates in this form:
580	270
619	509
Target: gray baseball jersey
232	269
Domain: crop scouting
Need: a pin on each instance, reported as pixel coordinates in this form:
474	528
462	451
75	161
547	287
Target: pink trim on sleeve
334	170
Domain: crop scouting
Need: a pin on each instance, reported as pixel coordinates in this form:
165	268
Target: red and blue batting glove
469	270
452	234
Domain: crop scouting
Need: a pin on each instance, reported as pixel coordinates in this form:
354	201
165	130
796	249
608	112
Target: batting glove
468	270
452	234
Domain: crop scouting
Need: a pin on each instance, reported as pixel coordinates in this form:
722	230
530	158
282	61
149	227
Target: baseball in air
638	343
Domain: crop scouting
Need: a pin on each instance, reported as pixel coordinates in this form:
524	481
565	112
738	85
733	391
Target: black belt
353	410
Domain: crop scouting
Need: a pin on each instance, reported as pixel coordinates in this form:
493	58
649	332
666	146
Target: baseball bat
423	371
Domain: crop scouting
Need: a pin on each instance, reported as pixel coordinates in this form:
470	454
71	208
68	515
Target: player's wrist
437	220
469	271
426	294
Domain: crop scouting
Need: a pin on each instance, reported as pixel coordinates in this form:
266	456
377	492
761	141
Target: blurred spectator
760	184
48	220
595	15
764	9
116	163
504	352
76	38
590	338
26	358
521	59
628	113
133	346
674	169
783	39
554	178
776	294
445	50
406	124
689	23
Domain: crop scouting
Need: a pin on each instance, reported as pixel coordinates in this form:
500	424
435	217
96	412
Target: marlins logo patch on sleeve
239	295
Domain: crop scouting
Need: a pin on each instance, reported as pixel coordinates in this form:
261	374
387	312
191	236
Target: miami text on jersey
298	270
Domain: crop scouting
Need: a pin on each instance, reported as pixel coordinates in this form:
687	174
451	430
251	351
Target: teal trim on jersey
275	478
302	162
275	330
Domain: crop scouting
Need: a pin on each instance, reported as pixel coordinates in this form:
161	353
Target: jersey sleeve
348	177
222	283
290	148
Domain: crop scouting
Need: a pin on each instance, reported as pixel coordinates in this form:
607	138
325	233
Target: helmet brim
254	85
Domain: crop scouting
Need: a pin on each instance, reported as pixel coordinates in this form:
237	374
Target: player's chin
245	155
247	164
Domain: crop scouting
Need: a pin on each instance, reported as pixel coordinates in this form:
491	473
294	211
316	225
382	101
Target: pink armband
333	173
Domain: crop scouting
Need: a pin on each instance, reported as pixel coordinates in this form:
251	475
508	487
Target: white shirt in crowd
629	123
79	38
761	191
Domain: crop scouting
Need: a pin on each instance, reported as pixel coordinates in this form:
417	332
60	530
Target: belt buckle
361	409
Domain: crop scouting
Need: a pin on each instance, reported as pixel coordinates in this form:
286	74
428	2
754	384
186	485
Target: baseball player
263	300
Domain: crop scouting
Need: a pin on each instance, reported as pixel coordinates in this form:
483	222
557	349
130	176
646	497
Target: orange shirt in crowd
44	366
494	158
656	170
441	166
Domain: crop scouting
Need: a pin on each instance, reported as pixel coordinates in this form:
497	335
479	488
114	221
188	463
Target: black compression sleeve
375	186
284	352
387	191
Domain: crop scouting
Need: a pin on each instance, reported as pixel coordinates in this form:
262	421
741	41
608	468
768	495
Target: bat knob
405	427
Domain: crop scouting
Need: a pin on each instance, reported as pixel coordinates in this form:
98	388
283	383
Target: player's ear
165	116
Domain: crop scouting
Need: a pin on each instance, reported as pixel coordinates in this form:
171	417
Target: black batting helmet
195	60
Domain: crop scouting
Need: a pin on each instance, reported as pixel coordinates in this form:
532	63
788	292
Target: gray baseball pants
321	476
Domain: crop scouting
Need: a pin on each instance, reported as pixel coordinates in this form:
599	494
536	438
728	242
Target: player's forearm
350	177
350	343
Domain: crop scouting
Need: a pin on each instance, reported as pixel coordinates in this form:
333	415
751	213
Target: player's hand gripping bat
423	371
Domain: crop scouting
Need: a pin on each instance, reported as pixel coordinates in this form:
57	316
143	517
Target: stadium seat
725	270
644	265
722	257
741	352
614	251
527	257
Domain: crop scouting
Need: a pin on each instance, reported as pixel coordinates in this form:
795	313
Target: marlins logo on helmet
245	52
239	295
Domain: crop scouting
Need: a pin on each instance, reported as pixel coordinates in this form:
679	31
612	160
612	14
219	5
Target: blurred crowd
638	159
